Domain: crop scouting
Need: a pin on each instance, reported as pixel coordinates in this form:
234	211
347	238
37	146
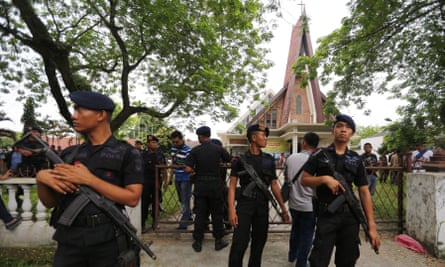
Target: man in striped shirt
179	153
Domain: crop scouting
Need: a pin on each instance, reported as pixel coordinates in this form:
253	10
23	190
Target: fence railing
35	230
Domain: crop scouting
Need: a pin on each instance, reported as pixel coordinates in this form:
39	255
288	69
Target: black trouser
253	221
208	194
148	197
341	230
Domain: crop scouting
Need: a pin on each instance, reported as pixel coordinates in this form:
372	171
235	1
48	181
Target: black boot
197	245
220	244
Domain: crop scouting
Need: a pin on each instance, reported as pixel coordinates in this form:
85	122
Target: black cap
34	128
151	137
257	128
345	118
203	130
92	100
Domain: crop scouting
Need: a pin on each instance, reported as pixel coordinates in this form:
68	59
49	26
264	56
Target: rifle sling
244	162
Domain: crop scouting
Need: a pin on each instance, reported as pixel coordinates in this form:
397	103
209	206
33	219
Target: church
291	112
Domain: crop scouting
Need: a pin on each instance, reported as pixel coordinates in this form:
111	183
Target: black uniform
93	240
208	191
32	164
339	229
253	213
150	160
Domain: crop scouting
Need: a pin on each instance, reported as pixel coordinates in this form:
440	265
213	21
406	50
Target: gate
389	201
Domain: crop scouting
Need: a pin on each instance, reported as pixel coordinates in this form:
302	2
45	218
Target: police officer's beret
151	137
203	130
257	128
92	100
345	118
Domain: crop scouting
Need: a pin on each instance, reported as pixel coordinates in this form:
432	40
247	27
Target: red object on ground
409	242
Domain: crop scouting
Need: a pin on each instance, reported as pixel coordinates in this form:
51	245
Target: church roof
300	44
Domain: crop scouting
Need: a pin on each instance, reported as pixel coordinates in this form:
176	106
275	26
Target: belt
91	220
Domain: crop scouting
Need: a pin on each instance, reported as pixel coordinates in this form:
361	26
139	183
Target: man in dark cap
32	158
151	157
110	167
251	217
203	163
339	228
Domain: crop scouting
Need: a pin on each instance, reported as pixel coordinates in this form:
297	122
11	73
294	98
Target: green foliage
29	115
16	257
163	58
404	135
365	132
394	47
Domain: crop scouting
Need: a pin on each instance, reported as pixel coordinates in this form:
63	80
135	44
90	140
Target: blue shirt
178	158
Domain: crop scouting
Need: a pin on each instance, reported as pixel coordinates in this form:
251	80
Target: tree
392	46
29	115
178	57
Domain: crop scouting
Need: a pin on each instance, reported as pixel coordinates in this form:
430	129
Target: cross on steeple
302	7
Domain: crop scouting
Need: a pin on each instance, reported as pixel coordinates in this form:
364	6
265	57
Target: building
291	112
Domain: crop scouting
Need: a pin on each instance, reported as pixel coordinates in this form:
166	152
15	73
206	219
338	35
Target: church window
271	119
298	105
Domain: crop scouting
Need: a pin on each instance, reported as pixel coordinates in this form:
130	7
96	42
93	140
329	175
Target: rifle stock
106	205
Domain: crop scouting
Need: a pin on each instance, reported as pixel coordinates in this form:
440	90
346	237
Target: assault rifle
257	182
87	195
349	197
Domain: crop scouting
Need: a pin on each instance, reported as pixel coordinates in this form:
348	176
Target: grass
35	257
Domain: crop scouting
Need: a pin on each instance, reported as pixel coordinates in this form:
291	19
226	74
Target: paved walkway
174	250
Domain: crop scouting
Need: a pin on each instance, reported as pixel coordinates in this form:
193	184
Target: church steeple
300	45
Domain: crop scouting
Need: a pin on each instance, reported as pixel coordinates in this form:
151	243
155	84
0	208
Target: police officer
111	167
203	163
151	157
339	229
32	158
251	218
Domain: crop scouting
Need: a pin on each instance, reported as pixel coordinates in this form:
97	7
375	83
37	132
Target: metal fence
389	201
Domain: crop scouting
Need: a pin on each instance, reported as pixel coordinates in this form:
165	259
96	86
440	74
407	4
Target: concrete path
174	250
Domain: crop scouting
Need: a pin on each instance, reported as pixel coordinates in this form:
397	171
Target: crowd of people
125	173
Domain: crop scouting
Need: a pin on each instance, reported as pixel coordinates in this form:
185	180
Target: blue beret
92	100
203	130
257	128
151	137
345	118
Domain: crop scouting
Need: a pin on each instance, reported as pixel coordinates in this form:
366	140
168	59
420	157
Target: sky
325	16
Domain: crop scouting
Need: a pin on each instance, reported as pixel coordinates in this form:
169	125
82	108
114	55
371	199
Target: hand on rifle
334	185
51	179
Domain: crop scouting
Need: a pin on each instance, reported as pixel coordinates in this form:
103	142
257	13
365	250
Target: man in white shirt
300	203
